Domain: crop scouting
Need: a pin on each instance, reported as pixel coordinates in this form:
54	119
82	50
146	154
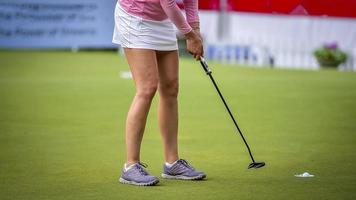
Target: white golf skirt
134	32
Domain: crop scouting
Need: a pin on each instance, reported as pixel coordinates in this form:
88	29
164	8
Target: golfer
145	30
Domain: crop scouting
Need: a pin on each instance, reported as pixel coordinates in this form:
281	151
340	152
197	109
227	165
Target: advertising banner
56	24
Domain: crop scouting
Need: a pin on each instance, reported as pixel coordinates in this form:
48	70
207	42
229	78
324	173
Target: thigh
168	68
143	66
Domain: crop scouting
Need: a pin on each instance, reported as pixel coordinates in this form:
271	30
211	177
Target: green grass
62	120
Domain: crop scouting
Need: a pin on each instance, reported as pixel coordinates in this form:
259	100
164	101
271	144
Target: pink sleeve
191	10
172	10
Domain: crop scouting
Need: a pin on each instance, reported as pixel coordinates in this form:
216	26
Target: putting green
62	120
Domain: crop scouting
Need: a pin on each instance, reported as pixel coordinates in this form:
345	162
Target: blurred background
303	34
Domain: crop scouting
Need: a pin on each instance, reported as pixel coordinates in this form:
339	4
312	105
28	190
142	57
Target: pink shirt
159	10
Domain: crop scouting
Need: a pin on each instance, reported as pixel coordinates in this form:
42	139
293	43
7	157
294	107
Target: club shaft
208	72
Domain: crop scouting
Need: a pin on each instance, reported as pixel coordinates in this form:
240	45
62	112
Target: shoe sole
124	181
181	177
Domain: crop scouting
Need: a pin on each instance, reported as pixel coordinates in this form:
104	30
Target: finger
195	56
199	54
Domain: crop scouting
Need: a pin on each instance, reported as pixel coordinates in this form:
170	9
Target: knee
169	89
147	91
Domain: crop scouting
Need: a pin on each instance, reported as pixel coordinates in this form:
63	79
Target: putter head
256	165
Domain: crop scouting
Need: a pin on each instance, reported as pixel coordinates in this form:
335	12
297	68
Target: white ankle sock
128	167
170	164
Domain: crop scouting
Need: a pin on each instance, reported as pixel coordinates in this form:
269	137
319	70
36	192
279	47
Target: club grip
205	66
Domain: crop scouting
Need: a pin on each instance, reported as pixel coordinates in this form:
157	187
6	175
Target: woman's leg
143	65
168	105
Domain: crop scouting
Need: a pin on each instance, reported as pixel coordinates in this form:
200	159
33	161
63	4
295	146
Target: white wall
291	40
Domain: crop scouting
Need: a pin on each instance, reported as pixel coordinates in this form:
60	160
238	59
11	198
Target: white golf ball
306	174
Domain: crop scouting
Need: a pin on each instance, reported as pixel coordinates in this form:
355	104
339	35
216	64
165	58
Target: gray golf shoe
137	175
181	169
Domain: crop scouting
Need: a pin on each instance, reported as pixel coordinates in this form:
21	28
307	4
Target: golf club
205	66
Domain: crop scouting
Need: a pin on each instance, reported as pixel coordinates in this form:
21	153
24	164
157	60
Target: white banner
278	40
56	24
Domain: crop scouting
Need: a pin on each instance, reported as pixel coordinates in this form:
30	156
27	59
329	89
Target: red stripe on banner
262	6
283	6
337	8
209	4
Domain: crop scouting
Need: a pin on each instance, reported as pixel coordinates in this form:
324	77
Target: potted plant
330	55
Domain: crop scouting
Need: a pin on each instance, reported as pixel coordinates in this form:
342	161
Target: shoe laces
141	168
185	163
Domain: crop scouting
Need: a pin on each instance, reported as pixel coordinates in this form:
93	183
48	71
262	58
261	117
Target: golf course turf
62	119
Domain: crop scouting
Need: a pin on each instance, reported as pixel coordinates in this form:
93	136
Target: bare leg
168	104
143	65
